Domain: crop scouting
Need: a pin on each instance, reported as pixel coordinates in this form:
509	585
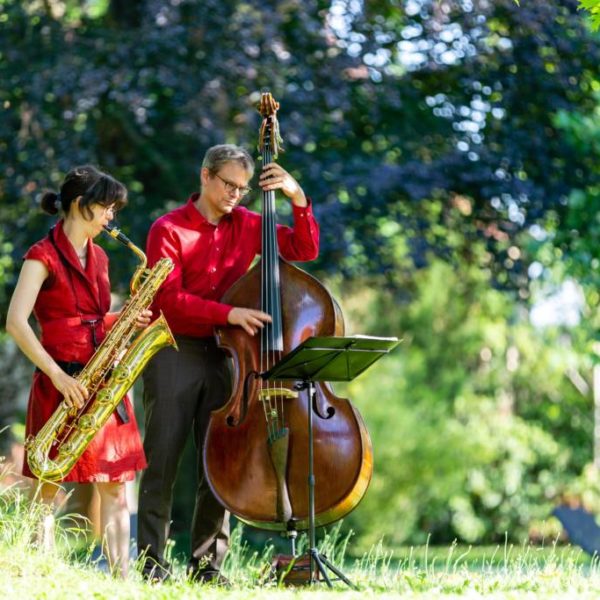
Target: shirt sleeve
179	306
38	252
300	243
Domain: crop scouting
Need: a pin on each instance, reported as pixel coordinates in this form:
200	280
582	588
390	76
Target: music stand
326	359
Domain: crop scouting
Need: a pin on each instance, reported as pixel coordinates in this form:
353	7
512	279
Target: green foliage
570	245
6	271
593	8
477	429
383	108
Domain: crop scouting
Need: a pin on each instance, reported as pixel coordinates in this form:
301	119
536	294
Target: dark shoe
156	572
207	575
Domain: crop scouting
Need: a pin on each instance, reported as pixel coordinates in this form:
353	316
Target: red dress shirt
69	296
209	259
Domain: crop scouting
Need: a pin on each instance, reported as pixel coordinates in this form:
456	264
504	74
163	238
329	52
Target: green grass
504	571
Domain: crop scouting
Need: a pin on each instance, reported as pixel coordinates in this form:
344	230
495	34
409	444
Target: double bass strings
271	334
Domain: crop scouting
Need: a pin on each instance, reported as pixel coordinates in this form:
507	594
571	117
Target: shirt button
213	270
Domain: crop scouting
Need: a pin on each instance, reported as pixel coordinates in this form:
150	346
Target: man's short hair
219	155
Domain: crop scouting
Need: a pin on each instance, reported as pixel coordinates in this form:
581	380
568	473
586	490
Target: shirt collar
67	250
195	217
90	273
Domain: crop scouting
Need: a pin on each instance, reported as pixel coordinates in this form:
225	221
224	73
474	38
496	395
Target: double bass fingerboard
272	333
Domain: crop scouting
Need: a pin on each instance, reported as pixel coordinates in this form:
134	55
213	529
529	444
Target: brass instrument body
107	376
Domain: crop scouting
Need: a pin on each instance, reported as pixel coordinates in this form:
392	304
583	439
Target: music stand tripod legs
327	358
316	559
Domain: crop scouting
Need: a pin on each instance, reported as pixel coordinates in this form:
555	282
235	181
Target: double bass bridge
273	394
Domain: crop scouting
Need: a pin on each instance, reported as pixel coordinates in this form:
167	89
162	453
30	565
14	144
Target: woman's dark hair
94	187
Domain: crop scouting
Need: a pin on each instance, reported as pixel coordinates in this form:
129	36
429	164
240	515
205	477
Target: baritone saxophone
108	375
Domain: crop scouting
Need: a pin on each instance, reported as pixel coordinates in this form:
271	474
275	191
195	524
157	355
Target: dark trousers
180	391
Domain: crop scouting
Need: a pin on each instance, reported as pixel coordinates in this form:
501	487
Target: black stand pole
325	359
316	558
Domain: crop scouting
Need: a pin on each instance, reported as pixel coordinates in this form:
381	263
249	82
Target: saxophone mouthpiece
115	233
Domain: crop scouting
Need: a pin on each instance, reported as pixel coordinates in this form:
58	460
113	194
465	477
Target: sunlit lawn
506	571
422	572
25	573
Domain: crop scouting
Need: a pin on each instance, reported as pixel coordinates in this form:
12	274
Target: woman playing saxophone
64	282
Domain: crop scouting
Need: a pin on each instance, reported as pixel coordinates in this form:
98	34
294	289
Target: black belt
72	368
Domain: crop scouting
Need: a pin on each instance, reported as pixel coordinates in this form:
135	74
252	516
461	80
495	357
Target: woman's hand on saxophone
144	319
74	393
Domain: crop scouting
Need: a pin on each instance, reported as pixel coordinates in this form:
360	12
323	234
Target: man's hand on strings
250	319
275	177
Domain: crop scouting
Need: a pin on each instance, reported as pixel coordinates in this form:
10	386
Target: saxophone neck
116	233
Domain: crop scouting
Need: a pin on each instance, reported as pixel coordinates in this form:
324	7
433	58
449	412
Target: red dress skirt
71	309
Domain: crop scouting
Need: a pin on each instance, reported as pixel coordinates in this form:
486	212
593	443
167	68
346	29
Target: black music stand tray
326	359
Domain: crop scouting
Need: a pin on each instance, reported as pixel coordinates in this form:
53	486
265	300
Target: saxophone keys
121	373
87	423
66	449
105	396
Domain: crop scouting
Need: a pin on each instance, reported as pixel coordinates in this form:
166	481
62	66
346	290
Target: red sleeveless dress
70	296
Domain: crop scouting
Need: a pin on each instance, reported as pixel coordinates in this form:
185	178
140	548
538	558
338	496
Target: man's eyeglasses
232	188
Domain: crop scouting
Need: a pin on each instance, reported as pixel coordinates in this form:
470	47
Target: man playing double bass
212	242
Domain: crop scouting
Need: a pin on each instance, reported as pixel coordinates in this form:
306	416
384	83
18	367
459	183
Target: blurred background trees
451	149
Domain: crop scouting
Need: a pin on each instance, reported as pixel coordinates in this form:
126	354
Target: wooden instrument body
236	456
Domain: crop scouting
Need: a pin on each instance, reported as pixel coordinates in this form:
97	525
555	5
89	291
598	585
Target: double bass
256	445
